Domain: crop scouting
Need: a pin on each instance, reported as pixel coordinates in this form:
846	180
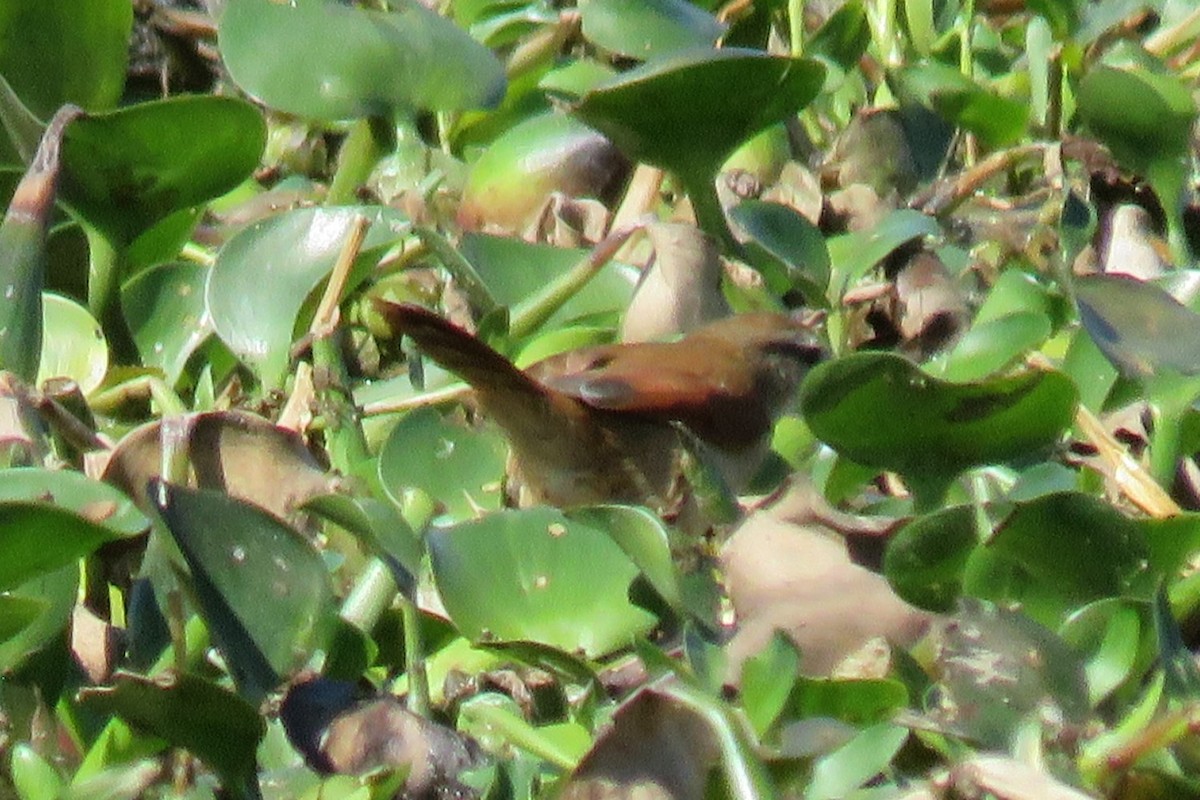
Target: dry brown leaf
786	569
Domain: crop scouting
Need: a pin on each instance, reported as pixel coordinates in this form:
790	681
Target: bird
602	424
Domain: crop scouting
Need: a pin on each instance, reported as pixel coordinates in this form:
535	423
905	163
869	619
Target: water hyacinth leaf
18	613
164	308
403	59
662	113
1138	326
997	120
23	252
264	274
54	52
38	538
926	558
853	255
856	762
125	170
1044	538
993	346
73	345
379	525
648	29
262	589
541	575
514	270
459	469
788	249
514	178
1111	634
1143	117
91	499
55	593
844	36
210	722
642	537
766	681
880	410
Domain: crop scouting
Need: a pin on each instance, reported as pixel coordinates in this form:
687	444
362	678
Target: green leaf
788	249
879	409
212	723
262	589
55	594
844	36
997	120
37	538
688	112
264	274
766	681
1128	319
1045	537
643	538
537	574
992	346
460	469
406	59
34	777
648	29
125	170
853	255
54	52
854	763
73	345
926	558
98	502
1143	117
165	310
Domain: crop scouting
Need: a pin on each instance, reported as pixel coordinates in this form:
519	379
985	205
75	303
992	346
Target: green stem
710	217
106	267
369	140
796	27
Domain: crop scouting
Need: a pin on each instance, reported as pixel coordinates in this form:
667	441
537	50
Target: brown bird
595	425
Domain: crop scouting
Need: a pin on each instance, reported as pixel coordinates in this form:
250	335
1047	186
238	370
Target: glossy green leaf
926	558
405	59
788	249
643	538
54	52
264	274
73	345
1062	15
663	113
881	410
164	308
513	179
210	722
125	170
648	29
997	120
38	538
262	589
537	574
1142	116
55	595
379	525
1138	326
72	491
459	469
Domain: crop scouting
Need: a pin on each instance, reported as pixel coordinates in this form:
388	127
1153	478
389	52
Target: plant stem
369	140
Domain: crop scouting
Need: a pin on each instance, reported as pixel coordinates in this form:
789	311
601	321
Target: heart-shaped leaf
164	308
788	249
404	59
73	345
